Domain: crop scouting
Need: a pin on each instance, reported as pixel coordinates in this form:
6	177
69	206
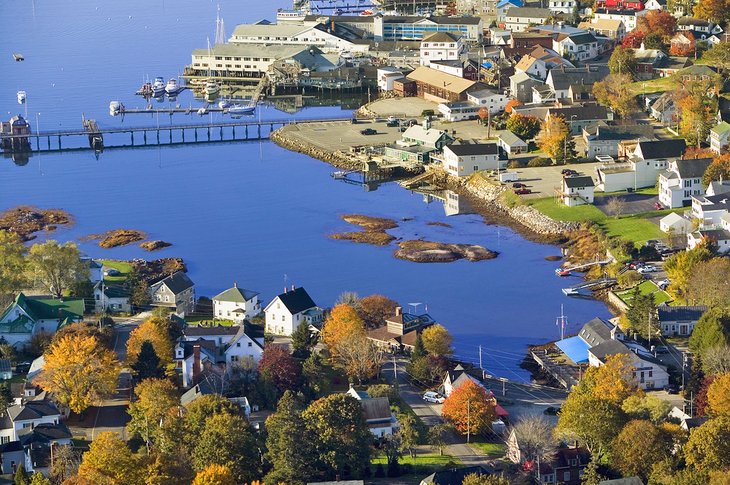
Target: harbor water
251	213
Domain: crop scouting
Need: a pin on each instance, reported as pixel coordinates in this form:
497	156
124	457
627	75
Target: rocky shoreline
25	220
486	198
434	252
116	237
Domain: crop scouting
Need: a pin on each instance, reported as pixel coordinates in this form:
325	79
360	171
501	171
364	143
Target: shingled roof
296	300
235	294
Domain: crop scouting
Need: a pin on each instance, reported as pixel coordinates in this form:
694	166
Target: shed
511	143
675	224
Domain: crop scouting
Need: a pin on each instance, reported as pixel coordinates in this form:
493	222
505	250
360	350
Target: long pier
94	137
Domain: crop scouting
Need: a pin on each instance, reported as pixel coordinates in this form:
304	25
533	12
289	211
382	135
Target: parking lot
633	203
542	181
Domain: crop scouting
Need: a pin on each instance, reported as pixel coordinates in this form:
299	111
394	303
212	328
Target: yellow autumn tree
613	381
110	462
555	140
343	323
79	371
214	474
437	340
718	396
155	330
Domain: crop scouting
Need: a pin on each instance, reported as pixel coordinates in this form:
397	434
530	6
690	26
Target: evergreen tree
591	475
289	451
302	341
6	397
148	363
419	351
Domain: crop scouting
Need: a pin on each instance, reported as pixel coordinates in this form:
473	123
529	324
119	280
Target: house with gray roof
510	143
290	309
603	140
381	421
581	46
679	320
176	292
27	415
579	116
560	79
112	297
577	190
425	135
236	304
519	19
681	181
648	372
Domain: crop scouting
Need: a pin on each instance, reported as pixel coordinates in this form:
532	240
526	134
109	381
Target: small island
373	230
434	252
117	237
154	245
25	220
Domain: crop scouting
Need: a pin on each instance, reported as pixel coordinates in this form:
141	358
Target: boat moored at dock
158	87
171	88
21	97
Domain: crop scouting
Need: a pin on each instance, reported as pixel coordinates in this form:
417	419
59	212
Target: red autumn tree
511	104
693	152
470	408
658	21
279	367
633	39
374	309
701	406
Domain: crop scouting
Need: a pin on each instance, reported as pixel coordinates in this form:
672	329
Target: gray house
679	320
176	292
602	139
12	454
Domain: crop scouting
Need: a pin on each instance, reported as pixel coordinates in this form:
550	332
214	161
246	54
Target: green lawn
636	228
122	266
423	464
645	288
492	450
658	85
207	321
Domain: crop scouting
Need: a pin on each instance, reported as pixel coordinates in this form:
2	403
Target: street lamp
565	142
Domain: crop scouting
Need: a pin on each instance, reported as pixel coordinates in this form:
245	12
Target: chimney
398	311
196	363
285	290
235	285
293	287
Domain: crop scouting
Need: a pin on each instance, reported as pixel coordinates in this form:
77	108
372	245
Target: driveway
633	203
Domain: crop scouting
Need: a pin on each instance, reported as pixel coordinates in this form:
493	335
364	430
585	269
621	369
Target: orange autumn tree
718	396
613	381
719	169
512	103
470	408
342	323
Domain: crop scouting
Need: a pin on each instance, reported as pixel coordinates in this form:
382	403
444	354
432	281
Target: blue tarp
487	65
575	348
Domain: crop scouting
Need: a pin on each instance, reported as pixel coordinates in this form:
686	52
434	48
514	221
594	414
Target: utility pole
648	327
395	373
480	358
468	420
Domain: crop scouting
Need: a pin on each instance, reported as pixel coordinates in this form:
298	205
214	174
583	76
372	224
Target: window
250	344
566	476
282	318
238	344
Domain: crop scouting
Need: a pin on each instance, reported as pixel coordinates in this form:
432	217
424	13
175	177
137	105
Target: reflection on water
453	203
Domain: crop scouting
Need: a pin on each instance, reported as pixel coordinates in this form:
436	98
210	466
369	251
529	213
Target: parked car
651	242
663	284
635	265
435	397
368	131
518	185
392	123
523	191
647	269
672	389
568	171
112	272
661	349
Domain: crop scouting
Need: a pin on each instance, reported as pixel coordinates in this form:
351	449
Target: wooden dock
94	137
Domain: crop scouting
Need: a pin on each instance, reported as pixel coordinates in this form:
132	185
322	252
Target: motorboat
242	109
202	111
21	97
562	272
172	88
223	104
211	88
158	87
571	292
115	108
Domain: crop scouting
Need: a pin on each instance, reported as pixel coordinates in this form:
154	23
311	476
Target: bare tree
535	437
66	461
360	358
348	298
615	206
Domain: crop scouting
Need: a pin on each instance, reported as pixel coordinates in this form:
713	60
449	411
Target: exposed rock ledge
434	252
117	237
26	220
154	245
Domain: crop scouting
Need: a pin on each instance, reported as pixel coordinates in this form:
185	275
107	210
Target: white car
431	396
663	284
646	269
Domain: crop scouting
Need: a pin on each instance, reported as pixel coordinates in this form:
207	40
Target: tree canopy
289	448
638	446
711	330
437	341
79	371
622	61
342	322
555	139
214	474
680	267
470	409
156	331
56	266
110	462
12	263
154	398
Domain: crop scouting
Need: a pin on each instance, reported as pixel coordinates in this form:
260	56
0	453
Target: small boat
223	104
21	97
202	111
17	56
242	109
171	88
115	107
562	272
570	292
339	175
158	87
211	87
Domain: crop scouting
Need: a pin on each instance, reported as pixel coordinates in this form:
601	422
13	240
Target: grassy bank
645	288
423	464
123	267
636	228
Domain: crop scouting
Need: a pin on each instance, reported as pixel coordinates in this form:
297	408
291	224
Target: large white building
441	46
643	166
20	417
236	304
577	190
289	310
305	34
494	101
464	160
681	181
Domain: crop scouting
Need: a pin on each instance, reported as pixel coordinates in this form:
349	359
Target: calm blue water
248	212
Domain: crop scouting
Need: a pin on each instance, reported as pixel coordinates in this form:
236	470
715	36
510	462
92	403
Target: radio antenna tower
562	321
220	30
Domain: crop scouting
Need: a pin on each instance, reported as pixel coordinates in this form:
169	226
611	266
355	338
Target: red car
523	191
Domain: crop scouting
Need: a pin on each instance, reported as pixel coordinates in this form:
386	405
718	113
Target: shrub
427	112
516	164
629	279
540	162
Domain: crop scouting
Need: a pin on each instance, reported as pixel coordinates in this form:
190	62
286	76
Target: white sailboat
21	97
211	87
